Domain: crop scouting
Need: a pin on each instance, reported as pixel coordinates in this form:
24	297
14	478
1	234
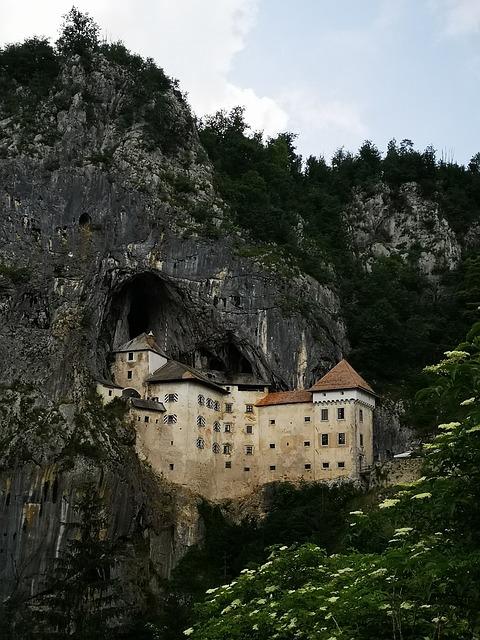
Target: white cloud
460	16
193	40
330	122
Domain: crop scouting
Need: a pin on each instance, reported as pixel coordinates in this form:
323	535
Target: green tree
79	34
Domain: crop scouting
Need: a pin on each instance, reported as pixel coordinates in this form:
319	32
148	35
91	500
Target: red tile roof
342	376
285	397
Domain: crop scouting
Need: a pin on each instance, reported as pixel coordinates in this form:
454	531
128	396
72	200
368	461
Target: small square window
228	465
342	393
249	450
341	465
324	414
272	421
172	466
306	443
171	442
324	439
110	392
147	419
130	356
246	468
307	419
361	439
139	418
341	413
249	428
227	427
129	375
249	408
227	449
228	407
341	438
272	467
272	445
308	466
325	465
360	415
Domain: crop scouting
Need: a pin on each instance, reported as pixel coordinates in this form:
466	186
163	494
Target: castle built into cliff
224	437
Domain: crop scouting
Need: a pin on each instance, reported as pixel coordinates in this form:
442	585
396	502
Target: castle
224	437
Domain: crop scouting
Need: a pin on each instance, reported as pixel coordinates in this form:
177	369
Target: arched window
170	418
227	448
201	400
200	421
200	443
216	447
209	403
216	426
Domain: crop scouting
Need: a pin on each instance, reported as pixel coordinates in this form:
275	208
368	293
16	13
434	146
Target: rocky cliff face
404	225
103	236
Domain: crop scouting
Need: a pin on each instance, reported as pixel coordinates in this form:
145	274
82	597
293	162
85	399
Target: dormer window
131	356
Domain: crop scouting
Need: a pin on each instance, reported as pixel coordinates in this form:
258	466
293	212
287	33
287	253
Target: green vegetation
397	319
412	566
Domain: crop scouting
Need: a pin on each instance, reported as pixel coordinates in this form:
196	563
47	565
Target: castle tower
136	360
343	412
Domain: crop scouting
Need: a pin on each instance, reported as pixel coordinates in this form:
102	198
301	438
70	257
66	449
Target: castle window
342	393
341	465
324	439
147	419
248	428
228	407
272	421
246	468
170	418
129	375
216	426
216	405
216	447
306	419
324	414
306	443
139	418
227	449
228	464
325	465
131	356
172	466
341	439
341	413
272	467
171	442
308	466
249	408
361	439
227	427
249	450
201	400
361	415
209	403
200	421
171	397
200	443
272	445
110	392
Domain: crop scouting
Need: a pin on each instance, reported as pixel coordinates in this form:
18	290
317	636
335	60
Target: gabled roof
174	371
150	405
143	342
285	397
342	376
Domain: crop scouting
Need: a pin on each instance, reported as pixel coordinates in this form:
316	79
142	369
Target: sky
335	72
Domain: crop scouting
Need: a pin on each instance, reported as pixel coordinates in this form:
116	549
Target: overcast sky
336	72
